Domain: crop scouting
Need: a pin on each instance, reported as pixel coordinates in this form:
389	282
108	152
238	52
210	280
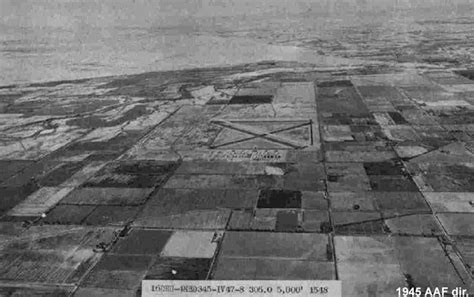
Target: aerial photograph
203	142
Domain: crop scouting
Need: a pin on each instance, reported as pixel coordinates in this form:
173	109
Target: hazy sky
59	39
102	13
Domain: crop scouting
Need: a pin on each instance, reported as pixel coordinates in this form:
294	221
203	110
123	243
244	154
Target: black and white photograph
234	148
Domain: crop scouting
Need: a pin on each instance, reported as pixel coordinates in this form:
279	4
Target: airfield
264	171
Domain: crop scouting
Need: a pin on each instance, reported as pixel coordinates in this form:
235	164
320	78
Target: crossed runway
263	133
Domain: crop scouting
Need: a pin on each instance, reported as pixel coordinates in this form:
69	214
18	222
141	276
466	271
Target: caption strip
153	288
